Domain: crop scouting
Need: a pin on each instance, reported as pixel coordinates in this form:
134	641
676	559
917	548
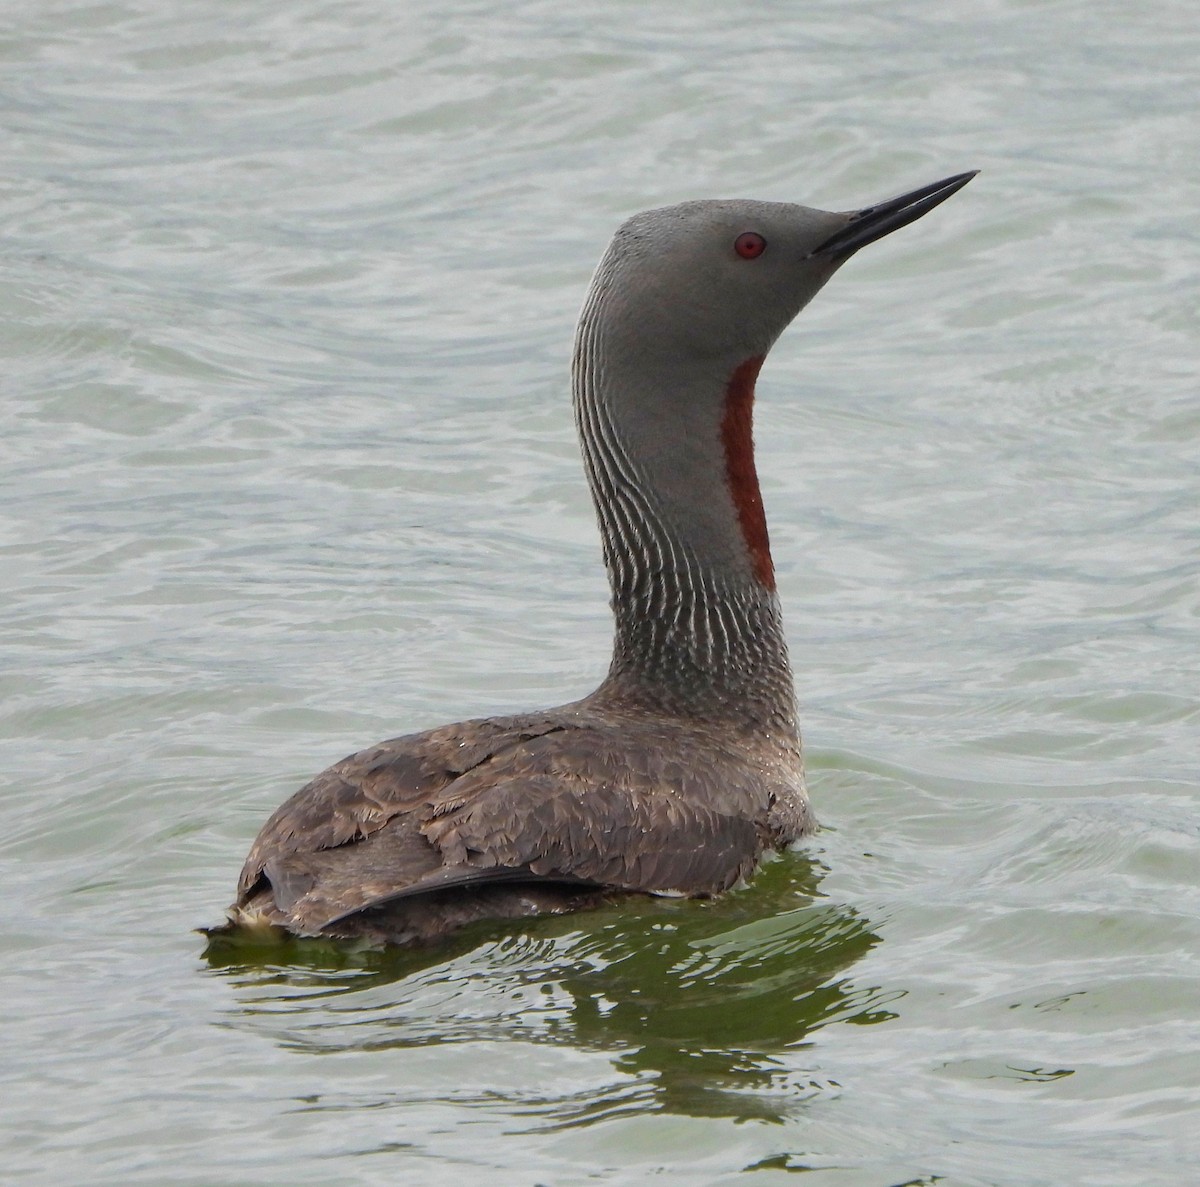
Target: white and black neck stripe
698	625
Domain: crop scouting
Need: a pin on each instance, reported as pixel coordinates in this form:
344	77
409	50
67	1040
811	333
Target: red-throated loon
684	766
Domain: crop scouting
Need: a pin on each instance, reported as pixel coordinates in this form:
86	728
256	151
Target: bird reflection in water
705	1009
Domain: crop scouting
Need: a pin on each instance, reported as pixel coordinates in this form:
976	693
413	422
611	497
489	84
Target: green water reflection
705	1007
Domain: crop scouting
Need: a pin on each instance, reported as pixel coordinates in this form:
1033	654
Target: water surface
287	466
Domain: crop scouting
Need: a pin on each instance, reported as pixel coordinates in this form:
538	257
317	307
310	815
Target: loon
684	767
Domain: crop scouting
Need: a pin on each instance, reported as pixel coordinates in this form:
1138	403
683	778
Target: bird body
684	767
472	818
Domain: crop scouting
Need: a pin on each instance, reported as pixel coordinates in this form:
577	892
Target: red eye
749	245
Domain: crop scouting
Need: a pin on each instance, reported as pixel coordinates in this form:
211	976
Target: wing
598	832
505	800
358	796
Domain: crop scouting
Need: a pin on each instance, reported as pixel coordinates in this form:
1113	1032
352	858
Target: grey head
726	277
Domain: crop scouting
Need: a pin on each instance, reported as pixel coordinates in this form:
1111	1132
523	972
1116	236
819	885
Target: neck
670	462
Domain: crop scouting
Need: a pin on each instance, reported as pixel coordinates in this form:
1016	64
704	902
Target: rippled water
287	466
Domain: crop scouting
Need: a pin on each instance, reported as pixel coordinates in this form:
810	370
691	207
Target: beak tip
874	222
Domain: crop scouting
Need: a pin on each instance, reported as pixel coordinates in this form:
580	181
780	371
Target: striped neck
669	459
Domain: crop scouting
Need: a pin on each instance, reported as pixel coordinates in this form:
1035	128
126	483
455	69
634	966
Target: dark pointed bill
874	222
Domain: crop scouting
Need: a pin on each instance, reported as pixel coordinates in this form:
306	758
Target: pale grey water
287	466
